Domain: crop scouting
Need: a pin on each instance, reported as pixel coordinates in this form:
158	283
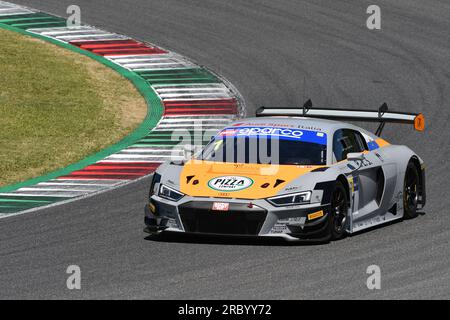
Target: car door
366	175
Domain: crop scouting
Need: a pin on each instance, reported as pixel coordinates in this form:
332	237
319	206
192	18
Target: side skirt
375	221
394	213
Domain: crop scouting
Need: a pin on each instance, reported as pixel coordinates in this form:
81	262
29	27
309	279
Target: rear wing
381	116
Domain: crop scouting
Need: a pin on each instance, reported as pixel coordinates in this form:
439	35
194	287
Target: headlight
291	199
169	193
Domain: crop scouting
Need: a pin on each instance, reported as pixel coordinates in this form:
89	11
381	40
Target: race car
293	173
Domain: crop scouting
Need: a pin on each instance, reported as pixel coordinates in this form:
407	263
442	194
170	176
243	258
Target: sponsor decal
315	215
265	124
228	132
356	183
379	156
372	145
351	183
270	131
220	206
313	128
230	183
277	132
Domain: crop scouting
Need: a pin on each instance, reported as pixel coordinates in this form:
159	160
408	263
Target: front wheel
337	220
410	191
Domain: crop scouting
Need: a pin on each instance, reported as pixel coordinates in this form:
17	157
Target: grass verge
57	107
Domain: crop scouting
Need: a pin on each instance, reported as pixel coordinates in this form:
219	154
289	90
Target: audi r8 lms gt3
295	173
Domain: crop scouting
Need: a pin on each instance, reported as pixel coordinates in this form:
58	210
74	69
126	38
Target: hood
237	180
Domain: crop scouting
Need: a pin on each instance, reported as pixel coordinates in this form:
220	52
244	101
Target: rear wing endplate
381	116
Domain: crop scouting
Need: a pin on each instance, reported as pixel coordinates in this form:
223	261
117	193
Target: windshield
267	145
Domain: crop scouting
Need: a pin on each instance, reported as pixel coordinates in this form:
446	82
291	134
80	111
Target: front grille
238	220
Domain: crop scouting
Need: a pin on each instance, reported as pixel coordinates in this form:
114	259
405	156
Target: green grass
57	107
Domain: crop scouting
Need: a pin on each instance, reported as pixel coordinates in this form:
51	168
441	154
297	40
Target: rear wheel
410	191
337	219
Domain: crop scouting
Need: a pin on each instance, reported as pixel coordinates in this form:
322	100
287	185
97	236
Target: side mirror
354	156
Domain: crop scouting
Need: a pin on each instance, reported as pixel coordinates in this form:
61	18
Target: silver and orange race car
294	173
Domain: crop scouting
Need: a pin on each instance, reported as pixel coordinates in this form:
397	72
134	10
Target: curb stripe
114	48
194	104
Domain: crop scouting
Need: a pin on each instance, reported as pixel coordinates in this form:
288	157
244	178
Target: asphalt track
266	49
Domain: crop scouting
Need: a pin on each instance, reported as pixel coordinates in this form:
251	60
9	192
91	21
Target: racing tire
337	218
410	191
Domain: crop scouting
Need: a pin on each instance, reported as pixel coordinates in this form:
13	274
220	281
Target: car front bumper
256	218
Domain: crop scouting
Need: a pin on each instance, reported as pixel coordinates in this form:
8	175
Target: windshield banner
280	133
